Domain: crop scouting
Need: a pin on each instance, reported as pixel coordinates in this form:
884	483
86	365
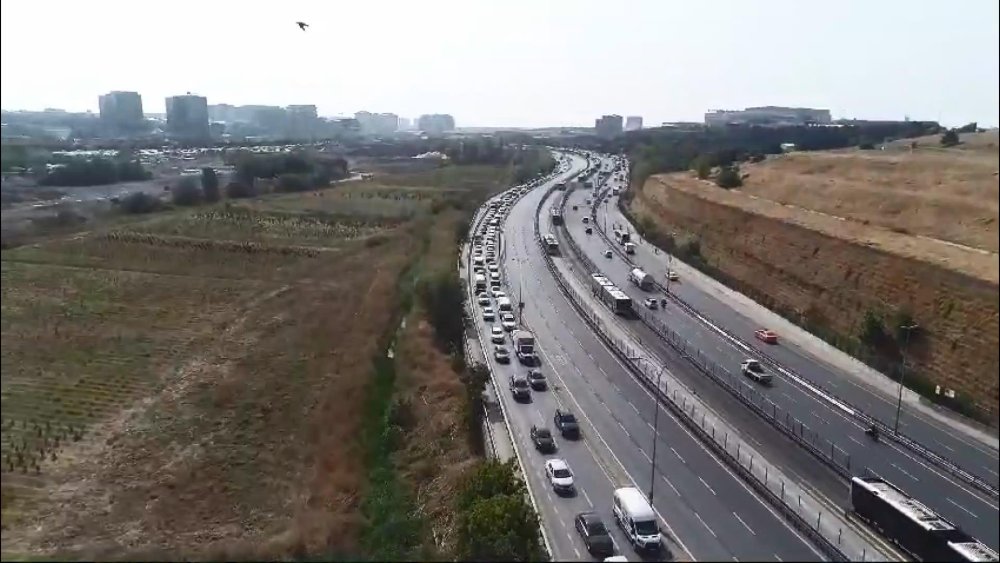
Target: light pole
906	345
656	434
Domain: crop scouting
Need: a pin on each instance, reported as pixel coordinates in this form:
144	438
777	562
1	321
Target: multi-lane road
971	509
706	511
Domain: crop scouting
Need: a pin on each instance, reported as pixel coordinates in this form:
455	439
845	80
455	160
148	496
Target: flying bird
302	25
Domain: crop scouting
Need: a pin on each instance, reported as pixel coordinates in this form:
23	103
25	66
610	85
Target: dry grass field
193	383
949	194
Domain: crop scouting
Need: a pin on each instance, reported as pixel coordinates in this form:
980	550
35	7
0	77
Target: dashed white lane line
710	489
855	440
710	530
587	497
622	426
635	408
678	455
671	485
904	472
645	455
969	512
749	529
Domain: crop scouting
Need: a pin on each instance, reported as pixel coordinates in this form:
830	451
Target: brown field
948	194
192	383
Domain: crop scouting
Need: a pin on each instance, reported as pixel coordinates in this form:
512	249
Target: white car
493	268
498	294
607	253
558	473
495	276
488	314
496	335
484	299
507	322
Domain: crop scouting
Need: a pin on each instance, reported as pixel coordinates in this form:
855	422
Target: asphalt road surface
973	511
707	509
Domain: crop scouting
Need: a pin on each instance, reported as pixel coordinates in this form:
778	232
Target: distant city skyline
516	63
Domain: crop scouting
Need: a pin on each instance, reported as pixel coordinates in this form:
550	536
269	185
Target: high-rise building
121	112
633	123
608	125
377	123
187	117
436	123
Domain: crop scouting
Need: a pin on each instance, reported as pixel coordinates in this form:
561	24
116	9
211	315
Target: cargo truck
524	347
641	279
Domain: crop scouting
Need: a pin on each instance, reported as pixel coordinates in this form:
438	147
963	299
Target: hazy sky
514	62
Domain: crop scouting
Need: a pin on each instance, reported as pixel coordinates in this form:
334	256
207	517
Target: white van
636	518
503	304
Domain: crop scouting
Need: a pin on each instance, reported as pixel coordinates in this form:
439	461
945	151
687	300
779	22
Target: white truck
524	347
753	370
641	279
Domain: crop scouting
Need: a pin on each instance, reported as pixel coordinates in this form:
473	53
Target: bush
729	177
289	183
702	166
186	192
210	185
872	332
140	202
240	190
949	138
495	521
866	146
444	298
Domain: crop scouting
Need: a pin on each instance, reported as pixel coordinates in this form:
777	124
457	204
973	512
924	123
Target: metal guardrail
688	417
950	466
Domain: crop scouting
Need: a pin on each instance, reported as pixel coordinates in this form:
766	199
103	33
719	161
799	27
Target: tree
140	202
186	192
949	138
872	331
240	190
443	297
499	528
490	478
210	185
702	166
729	177
294	182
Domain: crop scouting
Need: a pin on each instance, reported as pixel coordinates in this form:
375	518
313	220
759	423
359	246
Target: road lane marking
645	455
635	408
905	472
622	426
749	529
710	530
789	397
706	486
969	512
678	455
945	446
676	492
586	496
856	441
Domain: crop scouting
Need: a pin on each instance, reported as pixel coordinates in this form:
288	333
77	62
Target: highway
974	511
709	512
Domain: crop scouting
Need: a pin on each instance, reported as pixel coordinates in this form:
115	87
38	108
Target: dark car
501	355
543	440
566	424
519	388
537	380
594	534
588	231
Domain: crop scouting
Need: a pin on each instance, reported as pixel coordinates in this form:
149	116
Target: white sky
514	62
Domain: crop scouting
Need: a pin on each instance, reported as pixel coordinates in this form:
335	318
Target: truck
524	347
629	248
622	236
641	279
753	370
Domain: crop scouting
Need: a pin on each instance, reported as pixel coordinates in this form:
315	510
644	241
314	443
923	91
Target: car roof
557	463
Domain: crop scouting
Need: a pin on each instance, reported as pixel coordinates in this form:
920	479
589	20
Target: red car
767	336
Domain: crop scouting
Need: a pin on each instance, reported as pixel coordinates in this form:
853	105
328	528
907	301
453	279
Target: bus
551	244
557	218
911	525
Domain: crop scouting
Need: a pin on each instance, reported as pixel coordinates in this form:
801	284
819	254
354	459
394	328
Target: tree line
78	171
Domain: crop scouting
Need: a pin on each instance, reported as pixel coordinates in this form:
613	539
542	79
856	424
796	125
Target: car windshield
561	473
596	528
645	527
568	417
754	366
520	383
537	375
543	433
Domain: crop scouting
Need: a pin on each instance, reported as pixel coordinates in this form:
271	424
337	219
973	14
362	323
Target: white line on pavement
707	486
744	524
971	513
710	530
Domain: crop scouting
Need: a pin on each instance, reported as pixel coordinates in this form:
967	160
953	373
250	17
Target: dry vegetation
949	194
194	383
